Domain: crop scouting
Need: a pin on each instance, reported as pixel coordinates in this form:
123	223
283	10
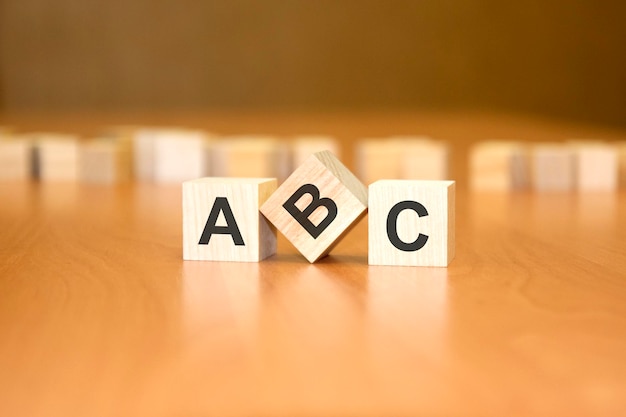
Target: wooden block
305	146
378	158
57	157
596	166
499	166
423	159
553	167
315	207
105	161
180	155
221	219
250	156
15	159
411	223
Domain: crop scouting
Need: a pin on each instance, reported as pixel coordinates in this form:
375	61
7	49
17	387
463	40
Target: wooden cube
15	159
221	219
423	159
305	146
105	161
57	157
180	155
596	166
250	156
553	166
499	166
315	207
411	223
143	153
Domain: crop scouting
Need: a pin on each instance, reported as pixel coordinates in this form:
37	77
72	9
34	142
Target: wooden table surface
100	316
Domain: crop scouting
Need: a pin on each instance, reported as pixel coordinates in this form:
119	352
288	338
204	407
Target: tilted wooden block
105	161
57	157
15	159
553	167
499	166
596	166
304	146
317	204
250	156
411	223
221	219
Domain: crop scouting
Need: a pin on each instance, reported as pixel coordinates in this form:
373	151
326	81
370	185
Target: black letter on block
231	228
302	217
392	231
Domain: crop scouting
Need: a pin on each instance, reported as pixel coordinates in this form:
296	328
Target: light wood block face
222	222
58	158
180	156
553	167
15	159
250	156
317	205
105	162
499	166
411	223
143	153
424	159
597	167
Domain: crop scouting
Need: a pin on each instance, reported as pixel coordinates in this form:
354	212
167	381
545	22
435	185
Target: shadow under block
553	167
499	166
15	159
222	222
316	206
58	158
596	167
105	162
411	223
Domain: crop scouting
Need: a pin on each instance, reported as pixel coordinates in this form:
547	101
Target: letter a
231	228
302	217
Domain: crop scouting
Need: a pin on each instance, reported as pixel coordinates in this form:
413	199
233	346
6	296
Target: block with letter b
222	222
411	223
317	205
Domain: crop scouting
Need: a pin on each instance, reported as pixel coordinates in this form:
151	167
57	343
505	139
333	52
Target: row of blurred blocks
565	166
172	155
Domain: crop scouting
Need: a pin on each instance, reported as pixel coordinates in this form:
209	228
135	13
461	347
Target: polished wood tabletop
100	316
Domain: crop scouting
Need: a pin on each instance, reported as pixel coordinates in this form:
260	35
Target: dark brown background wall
564	58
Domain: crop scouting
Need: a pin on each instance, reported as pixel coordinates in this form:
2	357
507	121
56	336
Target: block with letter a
221	219
317	205
411	223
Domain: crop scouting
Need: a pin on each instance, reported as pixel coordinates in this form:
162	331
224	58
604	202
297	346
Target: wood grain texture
332	180
249	237
100	316
431	220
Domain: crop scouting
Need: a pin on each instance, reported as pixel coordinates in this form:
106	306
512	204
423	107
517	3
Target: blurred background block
105	161
424	159
180	155
15	159
596	166
553	167
304	146
499	166
250	156
58	157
